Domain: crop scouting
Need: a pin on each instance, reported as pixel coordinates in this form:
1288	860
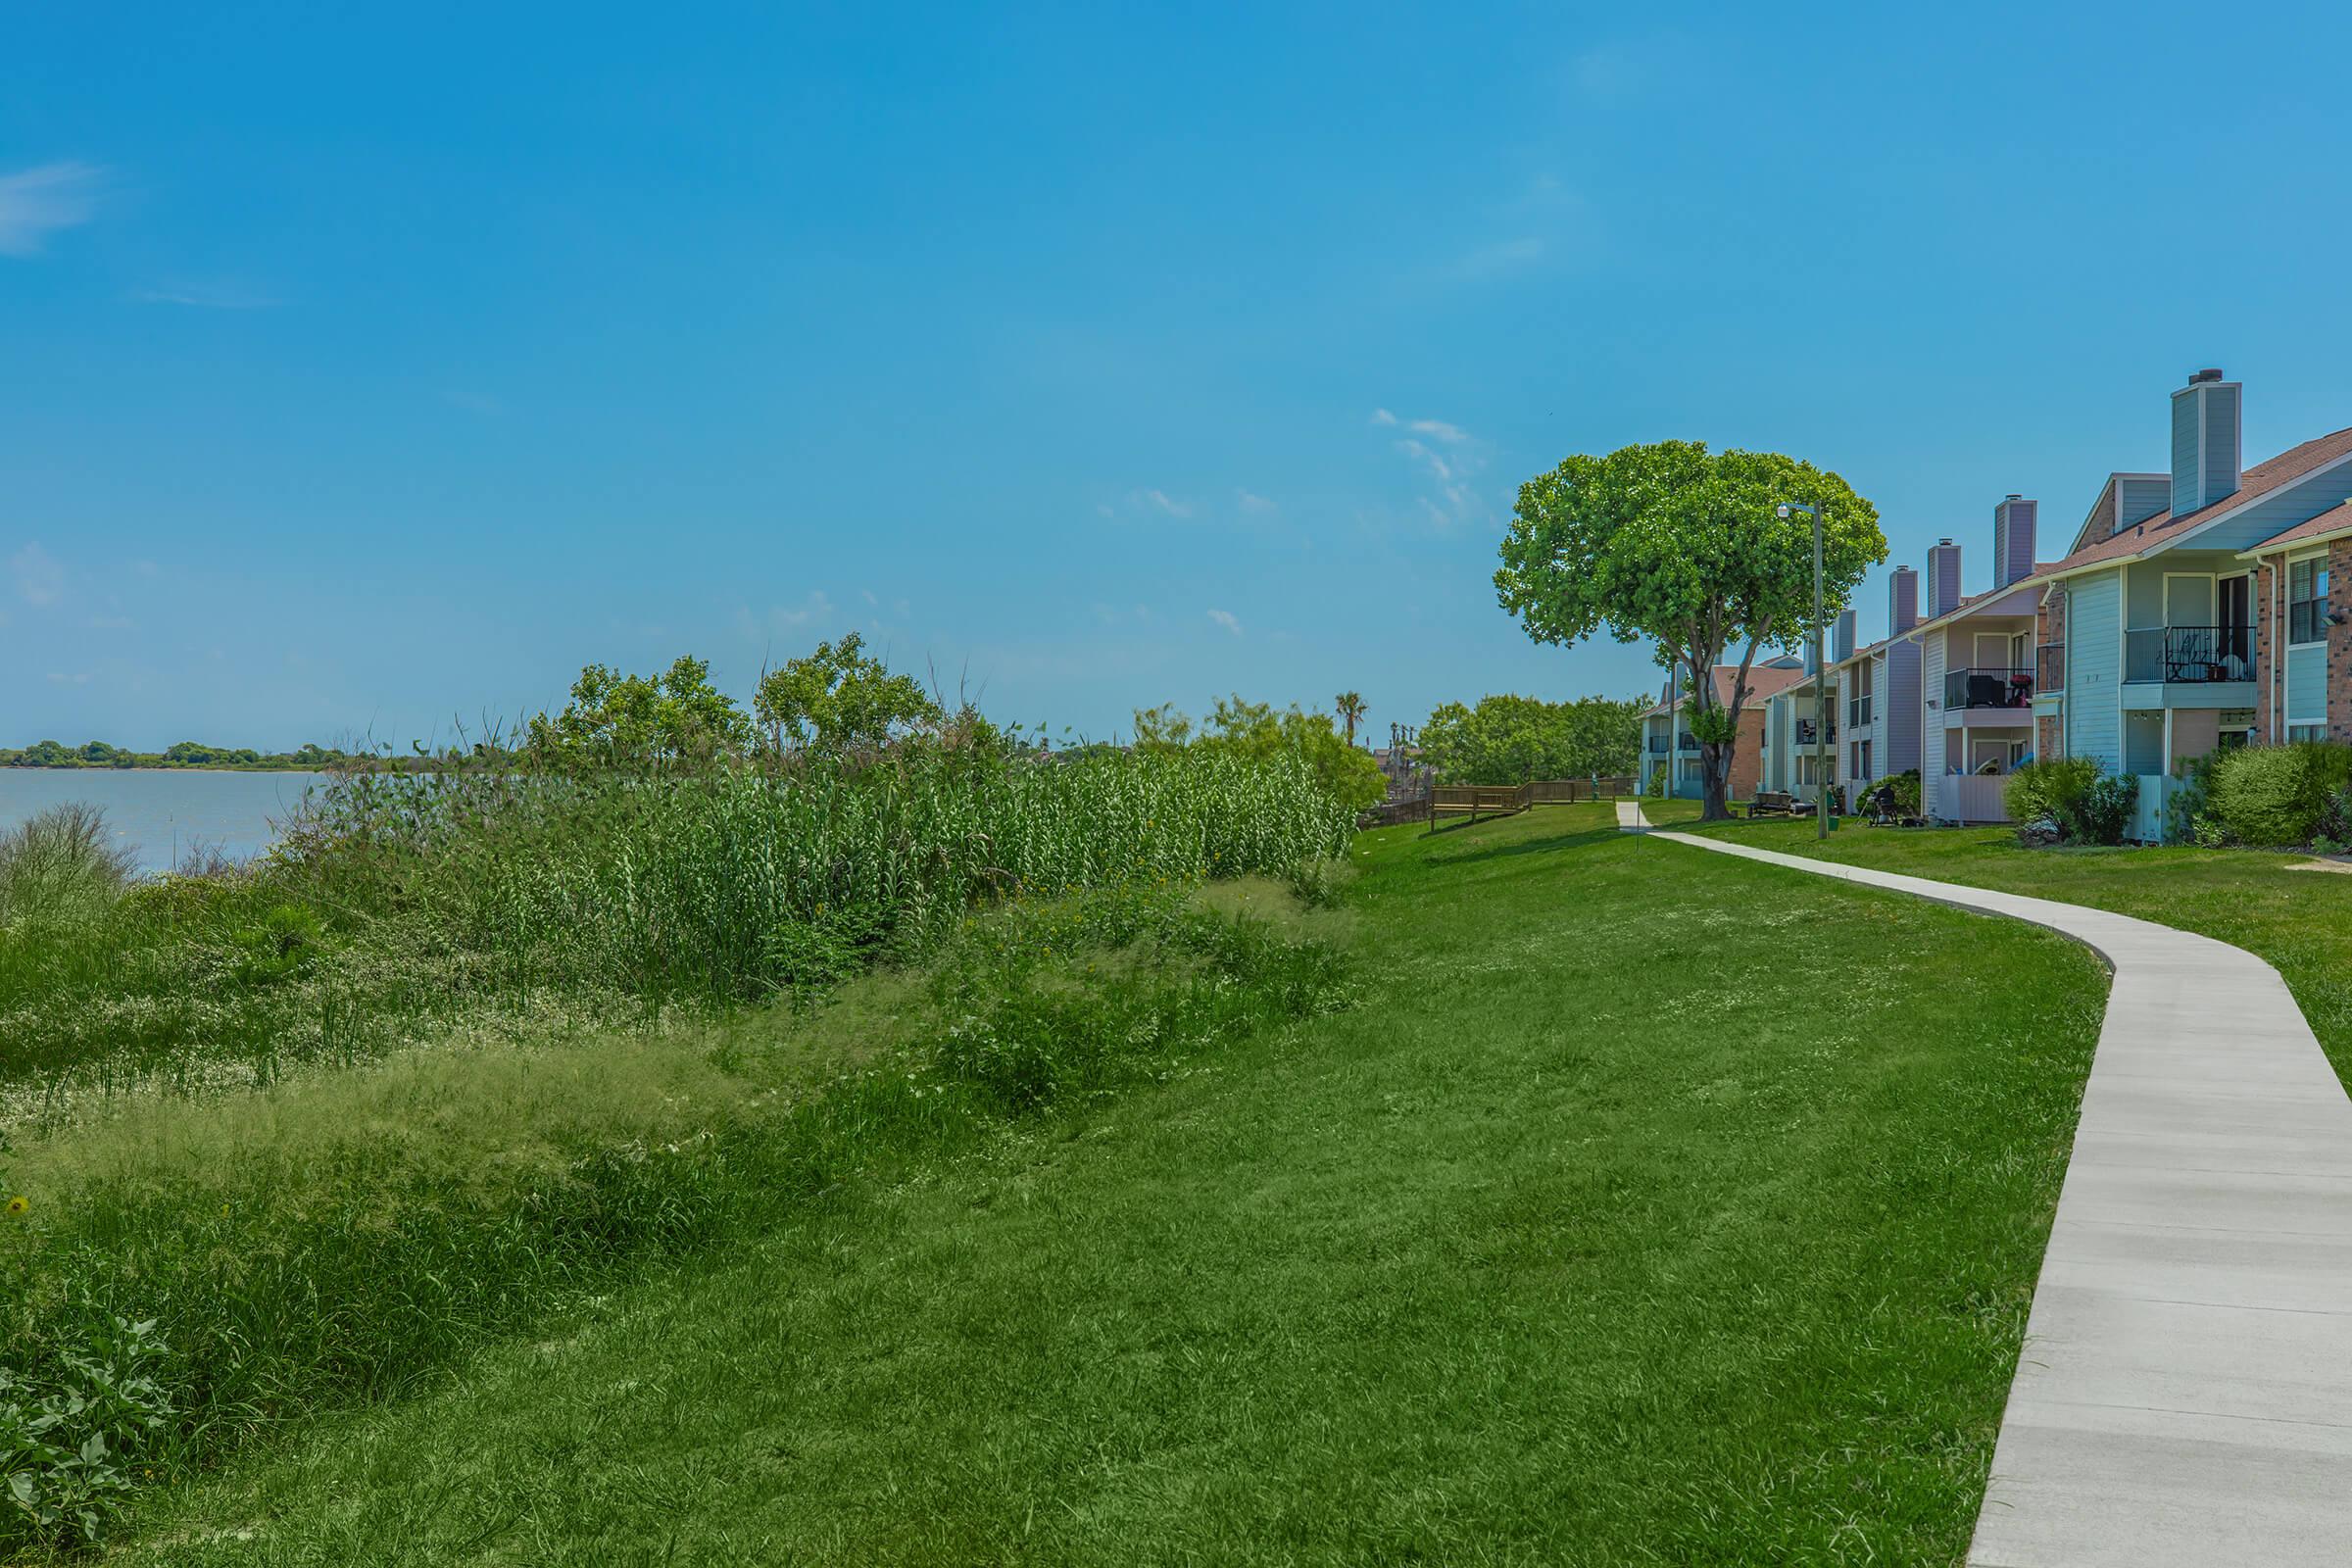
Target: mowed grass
1648	1207
2301	921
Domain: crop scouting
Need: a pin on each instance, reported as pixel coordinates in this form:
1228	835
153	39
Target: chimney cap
2014	495
1945	540
2205	376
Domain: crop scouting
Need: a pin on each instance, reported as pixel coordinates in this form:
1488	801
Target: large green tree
1509	740
1680	545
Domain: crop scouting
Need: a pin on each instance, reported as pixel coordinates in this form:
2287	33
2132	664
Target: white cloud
1174	509
1439	468
40	579
203	297
1227	619
1499	258
1451	499
1383	416
111	623
1103	509
783	621
78	678
1251	502
36	202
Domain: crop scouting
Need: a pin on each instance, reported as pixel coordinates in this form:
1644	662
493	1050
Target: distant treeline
187	754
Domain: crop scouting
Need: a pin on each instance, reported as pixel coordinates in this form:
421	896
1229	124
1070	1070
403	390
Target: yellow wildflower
18	1204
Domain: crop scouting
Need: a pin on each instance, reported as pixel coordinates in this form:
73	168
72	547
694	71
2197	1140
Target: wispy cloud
203	297
1227	619
40	578
81	677
1499	258
1161	500
1251	502
1383	416
1451	498
35	203
111	623
784	620
1607	73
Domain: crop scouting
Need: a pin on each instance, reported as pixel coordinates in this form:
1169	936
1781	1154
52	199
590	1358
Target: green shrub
2278	796
1655	789
2048	788
2104	811
2188	809
1906	791
68	1431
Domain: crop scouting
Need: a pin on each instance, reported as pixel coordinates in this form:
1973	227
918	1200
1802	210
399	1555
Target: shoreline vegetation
476	1040
195	757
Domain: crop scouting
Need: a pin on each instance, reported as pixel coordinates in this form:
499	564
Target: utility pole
1821	679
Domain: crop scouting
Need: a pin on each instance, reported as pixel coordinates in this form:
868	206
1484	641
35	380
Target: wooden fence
1474	801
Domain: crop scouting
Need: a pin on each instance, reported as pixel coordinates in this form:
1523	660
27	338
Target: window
2306	732
2307	600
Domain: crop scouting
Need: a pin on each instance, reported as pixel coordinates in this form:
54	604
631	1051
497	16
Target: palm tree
1351	709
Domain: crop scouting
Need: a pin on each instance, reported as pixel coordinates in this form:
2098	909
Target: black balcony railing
1657	746
1805	732
2051	656
2188	654
1988	688
1689	743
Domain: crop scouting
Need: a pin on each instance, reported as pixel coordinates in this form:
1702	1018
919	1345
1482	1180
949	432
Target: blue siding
2307	684
2093	669
1901	699
2185	454
2141	498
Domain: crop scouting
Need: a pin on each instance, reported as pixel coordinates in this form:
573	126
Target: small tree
1680	545
839	702
616	717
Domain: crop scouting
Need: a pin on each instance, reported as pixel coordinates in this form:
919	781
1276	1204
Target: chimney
2206	441
2013	539
1943	579
1842	641
1902	601
1810	665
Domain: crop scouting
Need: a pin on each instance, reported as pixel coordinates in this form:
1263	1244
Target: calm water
163	815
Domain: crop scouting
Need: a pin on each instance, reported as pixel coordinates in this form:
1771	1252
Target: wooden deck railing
1474	801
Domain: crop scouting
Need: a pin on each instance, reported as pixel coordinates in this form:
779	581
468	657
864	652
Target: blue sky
371	372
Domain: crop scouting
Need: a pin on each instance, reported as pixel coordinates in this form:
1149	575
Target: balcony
2197	654
2053	674
1965	689
1687	743
1805	732
1657	746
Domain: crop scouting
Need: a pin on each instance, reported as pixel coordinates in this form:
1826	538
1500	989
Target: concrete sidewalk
2184	1396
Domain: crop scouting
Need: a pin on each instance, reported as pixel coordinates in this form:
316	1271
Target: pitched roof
1762	682
2164	528
2335	521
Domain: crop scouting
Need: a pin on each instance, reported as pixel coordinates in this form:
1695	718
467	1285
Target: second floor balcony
1998	687
1805	732
2194	654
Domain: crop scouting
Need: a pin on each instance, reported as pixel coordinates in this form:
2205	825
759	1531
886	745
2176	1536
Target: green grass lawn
1649	1206
2301	921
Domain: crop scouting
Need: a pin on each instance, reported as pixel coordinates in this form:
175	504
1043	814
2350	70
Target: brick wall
2267	642
2045	736
2339	643
1747	754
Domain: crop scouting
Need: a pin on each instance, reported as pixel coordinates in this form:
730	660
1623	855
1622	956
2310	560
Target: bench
1773	802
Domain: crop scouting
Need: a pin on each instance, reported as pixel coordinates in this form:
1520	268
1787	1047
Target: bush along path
2180	1395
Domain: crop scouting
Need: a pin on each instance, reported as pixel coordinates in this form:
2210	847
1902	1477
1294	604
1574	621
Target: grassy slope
1642	1212
2301	921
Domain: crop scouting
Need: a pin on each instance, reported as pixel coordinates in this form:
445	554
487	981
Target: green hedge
2276	795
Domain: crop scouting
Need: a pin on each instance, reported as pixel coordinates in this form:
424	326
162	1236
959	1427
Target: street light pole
1821	679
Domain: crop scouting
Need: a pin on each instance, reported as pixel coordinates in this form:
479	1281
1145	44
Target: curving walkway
2185	1394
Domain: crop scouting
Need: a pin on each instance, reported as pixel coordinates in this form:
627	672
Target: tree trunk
1714	782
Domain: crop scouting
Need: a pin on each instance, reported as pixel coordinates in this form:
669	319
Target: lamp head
1781	511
